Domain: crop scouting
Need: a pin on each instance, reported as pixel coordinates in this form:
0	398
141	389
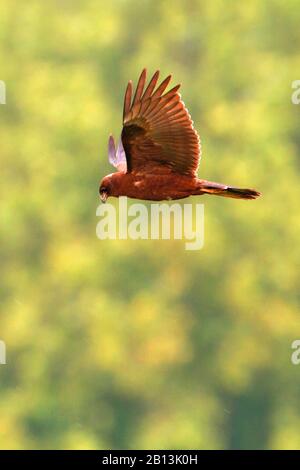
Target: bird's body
159	151
152	186
167	186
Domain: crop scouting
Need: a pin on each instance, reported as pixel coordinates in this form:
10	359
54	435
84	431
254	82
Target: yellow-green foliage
124	344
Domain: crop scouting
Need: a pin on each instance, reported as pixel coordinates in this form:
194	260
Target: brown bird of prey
158	154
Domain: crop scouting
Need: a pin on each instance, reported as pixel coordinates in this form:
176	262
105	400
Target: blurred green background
121	344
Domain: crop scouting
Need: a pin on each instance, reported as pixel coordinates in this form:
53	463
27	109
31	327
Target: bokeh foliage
142	344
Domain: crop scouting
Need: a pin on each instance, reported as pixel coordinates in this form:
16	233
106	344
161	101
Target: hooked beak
103	196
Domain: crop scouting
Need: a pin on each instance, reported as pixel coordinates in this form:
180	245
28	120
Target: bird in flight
159	150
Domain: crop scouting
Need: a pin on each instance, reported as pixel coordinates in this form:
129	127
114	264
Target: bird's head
105	189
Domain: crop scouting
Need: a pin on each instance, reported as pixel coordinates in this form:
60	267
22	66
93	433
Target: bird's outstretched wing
158	132
116	156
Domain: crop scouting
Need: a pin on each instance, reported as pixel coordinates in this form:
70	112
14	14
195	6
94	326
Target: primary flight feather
159	151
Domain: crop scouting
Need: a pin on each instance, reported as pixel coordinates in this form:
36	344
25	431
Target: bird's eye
103	190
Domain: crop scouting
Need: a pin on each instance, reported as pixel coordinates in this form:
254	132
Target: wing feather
127	99
139	88
151	86
162	87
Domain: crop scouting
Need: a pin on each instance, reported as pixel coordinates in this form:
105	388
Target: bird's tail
227	191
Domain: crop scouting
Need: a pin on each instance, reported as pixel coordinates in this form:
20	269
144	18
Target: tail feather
239	193
228	191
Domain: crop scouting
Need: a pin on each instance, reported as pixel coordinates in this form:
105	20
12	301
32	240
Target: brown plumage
159	151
